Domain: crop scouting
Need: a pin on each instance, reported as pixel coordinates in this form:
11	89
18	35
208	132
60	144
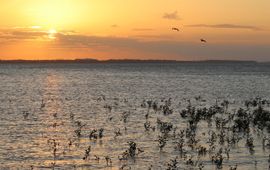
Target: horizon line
92	60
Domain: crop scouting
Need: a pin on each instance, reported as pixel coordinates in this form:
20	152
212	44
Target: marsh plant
180	142
162	140
87	153
225	129
172	165
54	146
132	149
108	161
79	128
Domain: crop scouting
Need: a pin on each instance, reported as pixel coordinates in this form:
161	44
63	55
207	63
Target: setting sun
52	33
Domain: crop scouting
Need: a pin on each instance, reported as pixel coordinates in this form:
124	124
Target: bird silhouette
203	40
175	29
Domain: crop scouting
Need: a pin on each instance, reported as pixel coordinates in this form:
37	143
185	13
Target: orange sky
102	29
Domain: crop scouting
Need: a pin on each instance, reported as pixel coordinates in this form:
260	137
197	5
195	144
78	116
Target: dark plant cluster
176	129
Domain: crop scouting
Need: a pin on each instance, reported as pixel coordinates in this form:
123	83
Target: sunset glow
102	29
52	33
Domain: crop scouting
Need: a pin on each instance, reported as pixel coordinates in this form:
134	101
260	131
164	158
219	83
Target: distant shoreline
130	61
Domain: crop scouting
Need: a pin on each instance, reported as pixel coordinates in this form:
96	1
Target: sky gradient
119	29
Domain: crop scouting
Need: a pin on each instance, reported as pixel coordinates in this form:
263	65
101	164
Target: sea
48	111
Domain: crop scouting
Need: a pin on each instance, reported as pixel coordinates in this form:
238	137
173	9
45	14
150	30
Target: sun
52	33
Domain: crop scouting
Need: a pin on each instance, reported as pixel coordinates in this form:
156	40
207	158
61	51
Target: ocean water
42	105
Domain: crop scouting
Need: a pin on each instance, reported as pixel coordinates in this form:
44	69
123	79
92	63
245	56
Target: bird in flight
175	29
203	40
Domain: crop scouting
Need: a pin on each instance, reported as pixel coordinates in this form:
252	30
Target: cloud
148	46
143	29
226	26
157	37
30	33
172	16
169	48
89	41
22	33
114	26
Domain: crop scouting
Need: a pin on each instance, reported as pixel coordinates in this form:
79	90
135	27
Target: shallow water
79	92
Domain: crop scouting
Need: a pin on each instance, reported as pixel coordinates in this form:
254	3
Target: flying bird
175	29
203	40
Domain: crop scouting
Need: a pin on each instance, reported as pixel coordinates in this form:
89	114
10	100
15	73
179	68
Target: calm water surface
72	93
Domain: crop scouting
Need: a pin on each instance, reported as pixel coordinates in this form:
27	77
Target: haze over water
81	92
